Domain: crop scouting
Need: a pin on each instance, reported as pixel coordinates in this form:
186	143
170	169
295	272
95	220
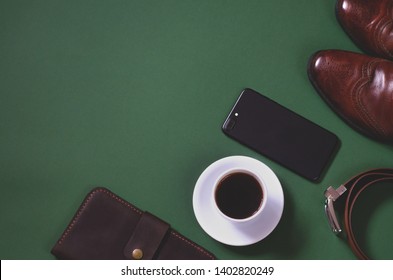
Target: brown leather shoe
359	88
369	24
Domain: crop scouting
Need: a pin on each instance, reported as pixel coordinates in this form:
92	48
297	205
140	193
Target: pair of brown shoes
358	87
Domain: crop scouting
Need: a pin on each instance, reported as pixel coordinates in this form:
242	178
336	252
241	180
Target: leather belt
352	189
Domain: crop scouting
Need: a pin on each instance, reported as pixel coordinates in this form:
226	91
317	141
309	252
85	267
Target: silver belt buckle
332	195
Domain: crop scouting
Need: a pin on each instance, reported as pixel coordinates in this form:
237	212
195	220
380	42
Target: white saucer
227	232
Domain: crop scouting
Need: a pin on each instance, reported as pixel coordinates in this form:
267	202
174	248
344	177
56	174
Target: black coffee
239	195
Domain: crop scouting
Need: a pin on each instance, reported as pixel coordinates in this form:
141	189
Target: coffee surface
239	195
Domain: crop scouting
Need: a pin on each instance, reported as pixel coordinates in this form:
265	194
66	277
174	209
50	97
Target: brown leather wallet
352	189
108	227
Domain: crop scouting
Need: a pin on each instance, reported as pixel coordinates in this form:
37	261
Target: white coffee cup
239	195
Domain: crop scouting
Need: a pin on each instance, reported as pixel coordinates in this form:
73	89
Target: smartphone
281	135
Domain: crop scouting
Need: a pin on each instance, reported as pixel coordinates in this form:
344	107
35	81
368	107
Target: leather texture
369	24
110	228
359	88
147	237
355	186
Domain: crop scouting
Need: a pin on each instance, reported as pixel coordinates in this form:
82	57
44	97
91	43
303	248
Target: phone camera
229	124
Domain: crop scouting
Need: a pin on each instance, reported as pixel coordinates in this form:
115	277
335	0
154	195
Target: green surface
131	95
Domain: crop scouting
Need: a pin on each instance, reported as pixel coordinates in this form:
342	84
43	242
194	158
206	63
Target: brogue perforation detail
359	104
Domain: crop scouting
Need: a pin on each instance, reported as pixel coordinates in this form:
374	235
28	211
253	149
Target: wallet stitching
192	244
87	200
118	199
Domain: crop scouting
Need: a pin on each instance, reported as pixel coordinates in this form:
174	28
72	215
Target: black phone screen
280	134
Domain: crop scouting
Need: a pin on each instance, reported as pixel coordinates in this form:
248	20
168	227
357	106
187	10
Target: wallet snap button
137	254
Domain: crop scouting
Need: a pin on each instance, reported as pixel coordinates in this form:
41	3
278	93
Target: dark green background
131	95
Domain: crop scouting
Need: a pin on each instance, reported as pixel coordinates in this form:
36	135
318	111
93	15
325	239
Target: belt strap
352	189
